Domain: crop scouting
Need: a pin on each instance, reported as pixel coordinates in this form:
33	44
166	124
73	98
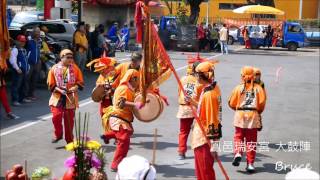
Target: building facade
294	9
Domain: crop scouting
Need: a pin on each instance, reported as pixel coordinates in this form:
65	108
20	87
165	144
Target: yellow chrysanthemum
93	145
71	146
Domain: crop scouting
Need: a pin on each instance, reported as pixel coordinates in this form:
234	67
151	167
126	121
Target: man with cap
122	68
193	90
80	43
248	101
210	117
64	80
121	117
19	62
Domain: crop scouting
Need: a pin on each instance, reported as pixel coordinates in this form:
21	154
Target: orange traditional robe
120	71
193	90
249	103
122	116
64	77
209	111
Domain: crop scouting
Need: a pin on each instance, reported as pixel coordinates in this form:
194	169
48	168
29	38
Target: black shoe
182	156
55	140
105	139
236	160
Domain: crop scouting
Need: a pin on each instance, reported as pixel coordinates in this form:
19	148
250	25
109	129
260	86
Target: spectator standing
33	51
269	36
88	35
201	36
98	42
113	32
81	46
125	32
20	66
214	36
3	97
246	38
223	33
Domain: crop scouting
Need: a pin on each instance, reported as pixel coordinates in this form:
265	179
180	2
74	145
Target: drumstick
154	148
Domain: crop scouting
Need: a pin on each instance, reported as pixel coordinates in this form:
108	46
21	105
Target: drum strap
121	119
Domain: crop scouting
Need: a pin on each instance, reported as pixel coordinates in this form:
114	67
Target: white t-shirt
223	34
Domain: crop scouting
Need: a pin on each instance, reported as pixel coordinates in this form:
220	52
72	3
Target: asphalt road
291	118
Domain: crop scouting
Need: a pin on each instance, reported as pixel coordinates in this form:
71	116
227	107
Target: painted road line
42	118
183	67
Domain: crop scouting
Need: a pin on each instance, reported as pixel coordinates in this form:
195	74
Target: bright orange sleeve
51	81
261	99
234	98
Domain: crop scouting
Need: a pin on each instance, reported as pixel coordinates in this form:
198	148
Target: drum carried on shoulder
151	110
98	93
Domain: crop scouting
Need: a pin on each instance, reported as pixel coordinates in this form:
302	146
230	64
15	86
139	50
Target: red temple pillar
48	4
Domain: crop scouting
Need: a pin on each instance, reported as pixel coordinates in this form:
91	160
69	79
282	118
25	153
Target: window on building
229	6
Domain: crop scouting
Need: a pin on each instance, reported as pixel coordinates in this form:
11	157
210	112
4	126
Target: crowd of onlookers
271	36
213	38
29	51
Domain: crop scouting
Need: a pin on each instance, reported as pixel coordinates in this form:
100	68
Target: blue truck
293	37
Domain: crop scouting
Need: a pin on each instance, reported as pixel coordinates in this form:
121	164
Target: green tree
194	10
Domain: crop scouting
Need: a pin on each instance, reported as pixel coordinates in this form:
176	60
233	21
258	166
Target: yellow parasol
258	9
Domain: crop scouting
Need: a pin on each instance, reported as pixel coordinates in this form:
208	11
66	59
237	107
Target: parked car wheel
230	40
292	46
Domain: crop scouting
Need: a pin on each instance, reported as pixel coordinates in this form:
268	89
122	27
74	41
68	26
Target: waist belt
121	118
247	109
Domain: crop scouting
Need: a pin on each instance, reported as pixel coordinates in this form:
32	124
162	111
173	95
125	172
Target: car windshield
24	18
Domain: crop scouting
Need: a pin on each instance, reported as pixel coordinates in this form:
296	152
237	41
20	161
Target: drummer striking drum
103	91
121	117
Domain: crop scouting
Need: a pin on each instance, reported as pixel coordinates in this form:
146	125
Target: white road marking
42	118
82	104
209	58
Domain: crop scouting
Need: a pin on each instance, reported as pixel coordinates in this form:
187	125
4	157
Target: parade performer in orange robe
209	111
193	90
106	67
120	118
248	101
64	80
122	68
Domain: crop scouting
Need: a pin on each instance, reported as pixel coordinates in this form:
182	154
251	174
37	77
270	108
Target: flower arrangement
41	173
88	154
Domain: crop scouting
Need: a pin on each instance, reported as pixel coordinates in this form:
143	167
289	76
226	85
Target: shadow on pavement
143	135
229	157
170	171
160	145
267	168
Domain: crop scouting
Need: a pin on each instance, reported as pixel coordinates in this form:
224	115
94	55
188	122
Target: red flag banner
156	64
4	35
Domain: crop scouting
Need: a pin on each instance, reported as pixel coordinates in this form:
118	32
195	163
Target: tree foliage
194	10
